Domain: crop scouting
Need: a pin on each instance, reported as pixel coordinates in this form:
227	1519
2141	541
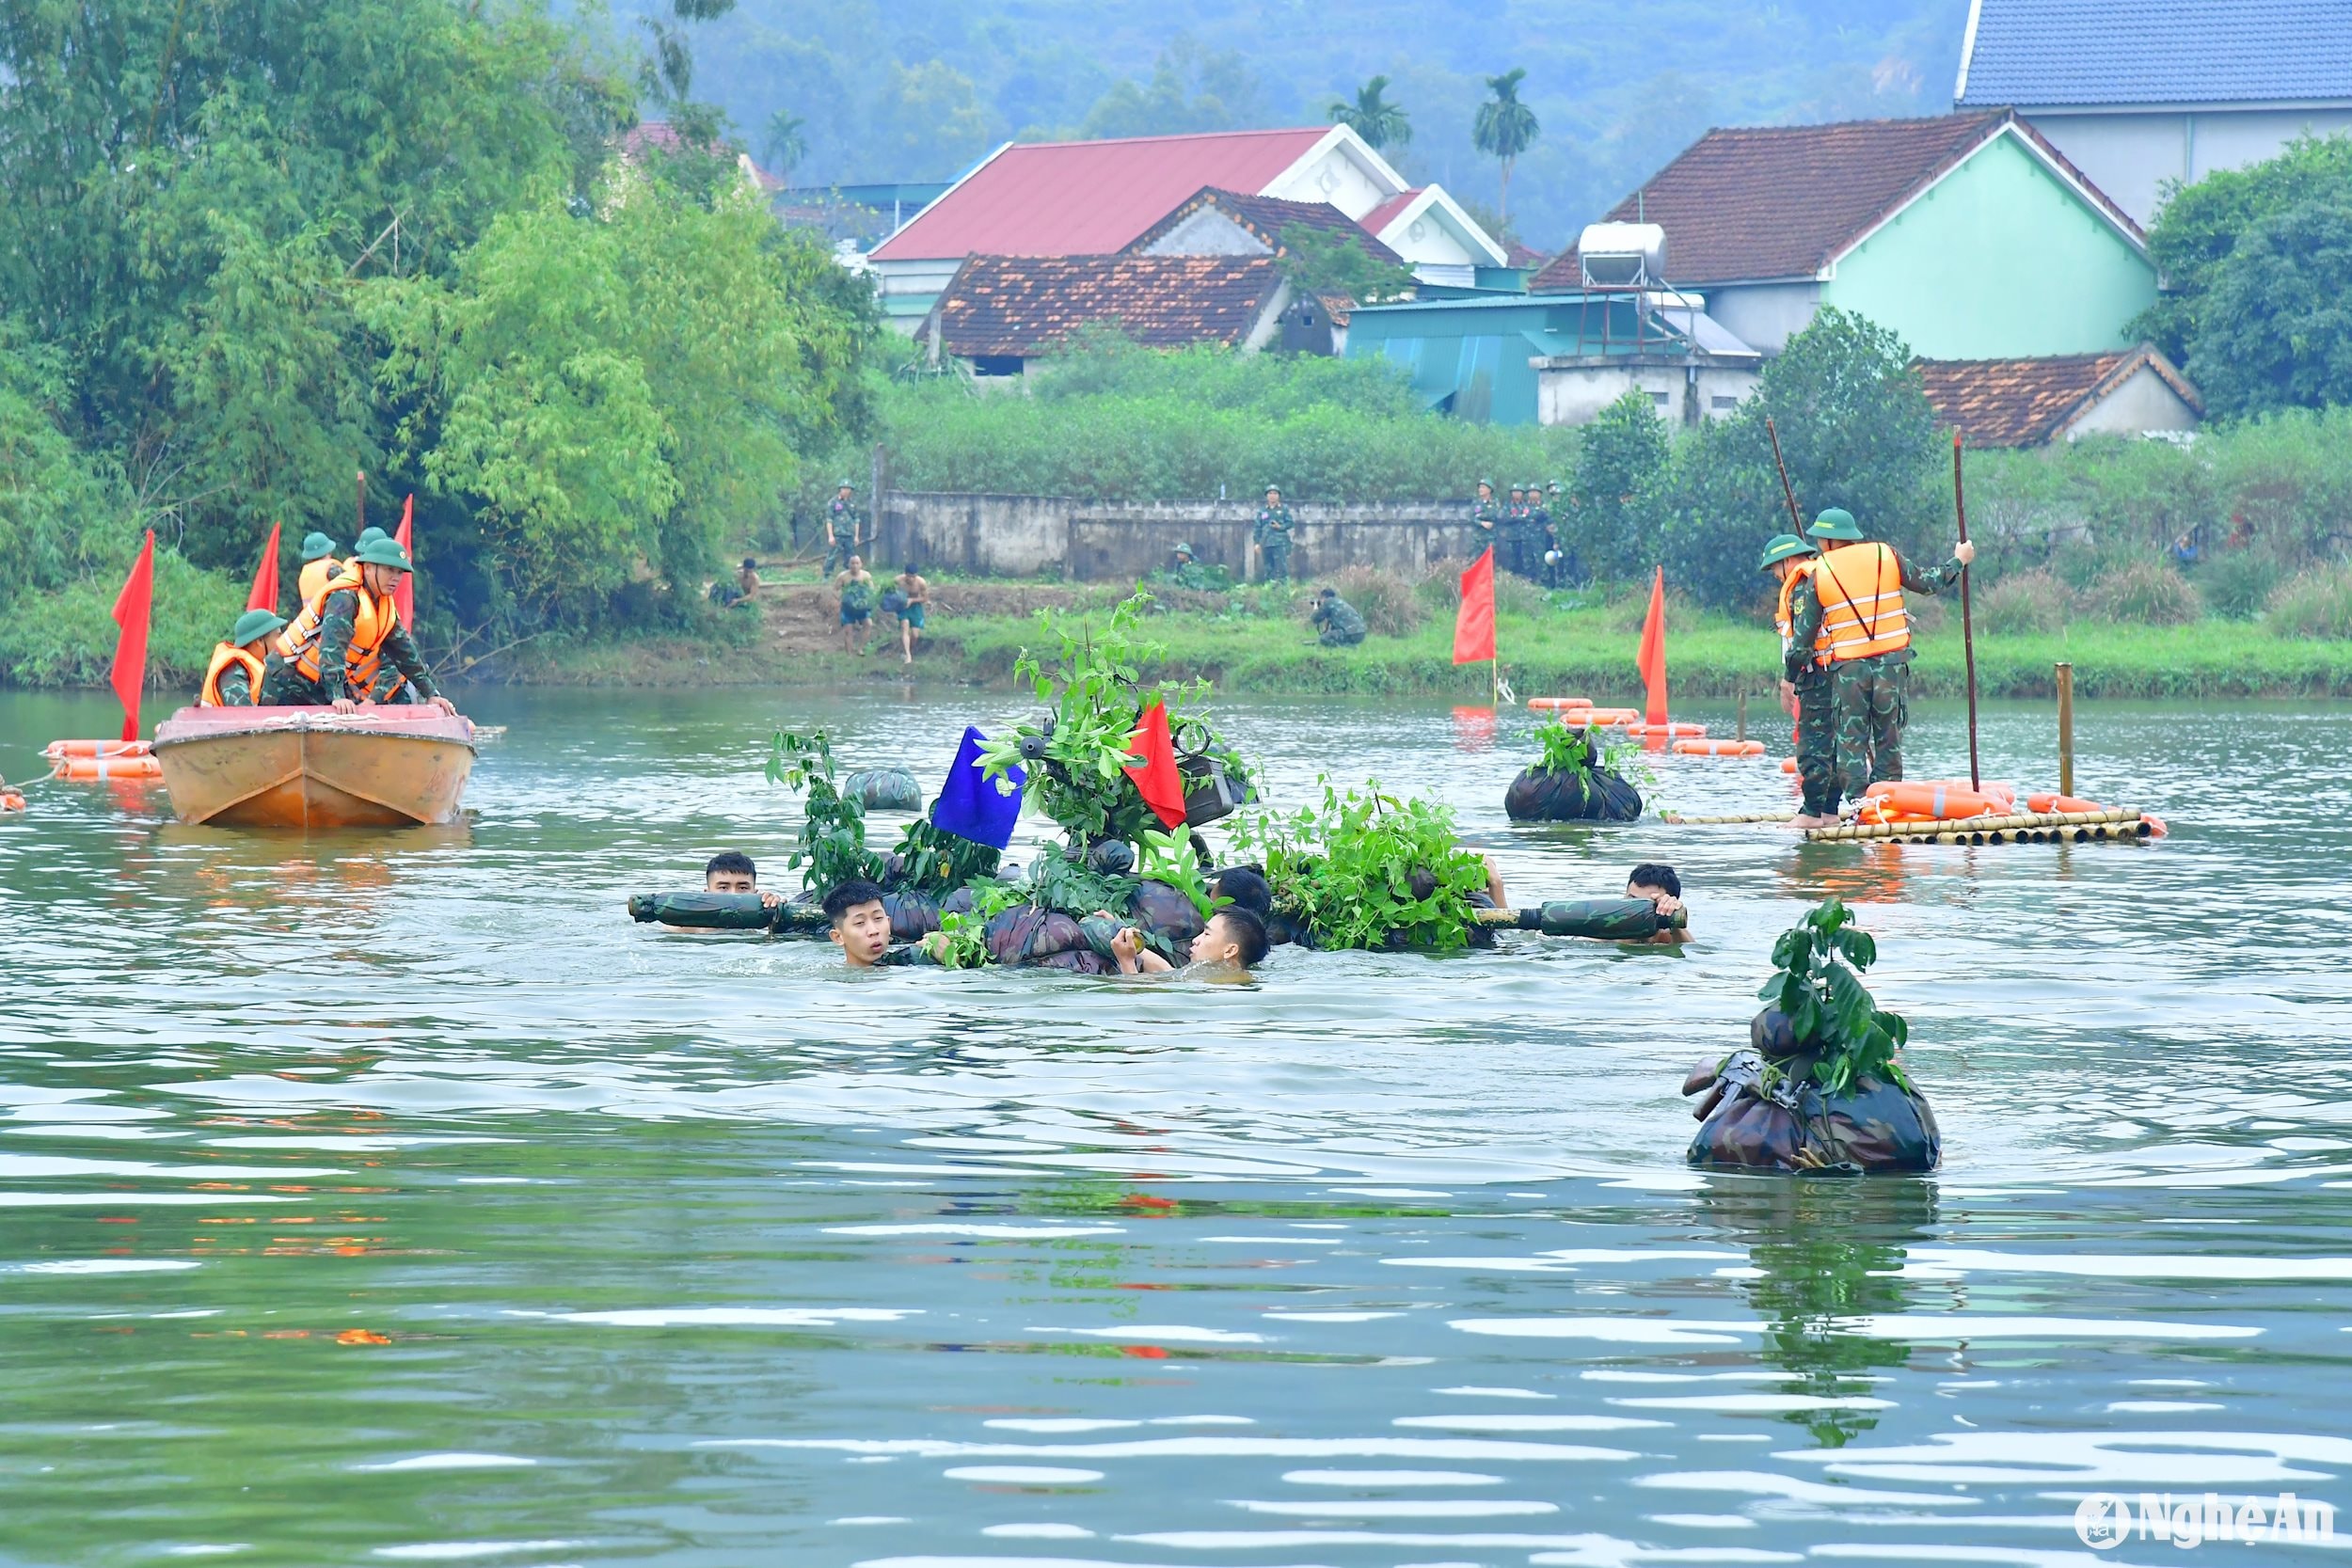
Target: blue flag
970	804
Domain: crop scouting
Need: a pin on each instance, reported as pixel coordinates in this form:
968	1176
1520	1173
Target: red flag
132	607
1475	623
1155	768
265	595
1652	662
405	596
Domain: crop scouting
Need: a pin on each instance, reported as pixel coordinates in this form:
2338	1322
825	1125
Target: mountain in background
920	89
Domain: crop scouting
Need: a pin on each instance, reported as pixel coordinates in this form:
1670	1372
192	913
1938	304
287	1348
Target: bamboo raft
2120	825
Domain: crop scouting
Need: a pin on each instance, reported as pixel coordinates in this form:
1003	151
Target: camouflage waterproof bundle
1571	795
884	789
1765	1111
703	911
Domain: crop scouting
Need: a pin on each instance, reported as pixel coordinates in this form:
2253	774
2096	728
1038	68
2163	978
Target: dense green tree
1332	262
2275	328
1373	117
929	118
1857	431
784	143
2201	224
1192	88
1622	459
1505	127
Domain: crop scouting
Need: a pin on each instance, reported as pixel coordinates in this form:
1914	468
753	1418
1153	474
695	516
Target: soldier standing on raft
1271	534
1849	620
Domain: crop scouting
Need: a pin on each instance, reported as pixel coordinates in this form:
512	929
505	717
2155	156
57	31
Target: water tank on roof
1621	255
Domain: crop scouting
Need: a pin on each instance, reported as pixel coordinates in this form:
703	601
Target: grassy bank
1259	644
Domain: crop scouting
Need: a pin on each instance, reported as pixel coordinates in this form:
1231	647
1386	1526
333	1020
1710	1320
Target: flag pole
1967	624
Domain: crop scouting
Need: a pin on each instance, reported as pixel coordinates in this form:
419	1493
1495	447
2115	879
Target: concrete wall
1764	316
1574	392
1120	542
2131	155
2000	259
2143	403
1337	177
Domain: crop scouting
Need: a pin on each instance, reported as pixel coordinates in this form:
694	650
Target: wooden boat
314	767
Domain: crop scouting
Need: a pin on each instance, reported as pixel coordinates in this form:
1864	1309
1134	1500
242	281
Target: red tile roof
1384	214
2024	403
1266	216
1089	198
1028	305
1781	201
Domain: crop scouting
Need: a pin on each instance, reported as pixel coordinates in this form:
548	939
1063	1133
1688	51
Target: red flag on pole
132	607
405	596
265	595
1155	768
1652	662
1475	623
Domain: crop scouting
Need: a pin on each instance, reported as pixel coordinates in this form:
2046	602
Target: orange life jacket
1861	589
298	645
316	575
226	655
1785	618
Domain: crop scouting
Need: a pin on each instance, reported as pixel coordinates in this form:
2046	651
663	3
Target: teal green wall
2001	258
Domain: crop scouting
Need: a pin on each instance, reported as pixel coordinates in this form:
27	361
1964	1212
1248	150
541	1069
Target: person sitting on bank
1337	623
856	588
916	597
318	565
1233	941
233	680
1662	886
335	653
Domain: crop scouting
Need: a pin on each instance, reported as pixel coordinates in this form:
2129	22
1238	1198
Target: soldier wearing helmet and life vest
1805	696
338	651
318	564
233	680
1849	620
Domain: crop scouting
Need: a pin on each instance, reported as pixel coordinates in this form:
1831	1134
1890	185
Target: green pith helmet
316	547
368	535
844	485
1553	487
1781	548
381	552
1185	549
1273	489
1835	523
1486	485
254	624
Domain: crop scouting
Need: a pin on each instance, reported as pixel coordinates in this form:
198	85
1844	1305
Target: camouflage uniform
1271	531
847	525
285	685
1337	624
1866	699
1541	541
1486	517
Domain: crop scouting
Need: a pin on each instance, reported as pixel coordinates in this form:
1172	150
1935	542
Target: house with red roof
1099	198
1967	234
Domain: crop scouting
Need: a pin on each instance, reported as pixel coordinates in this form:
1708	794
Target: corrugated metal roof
1092	198
2054	53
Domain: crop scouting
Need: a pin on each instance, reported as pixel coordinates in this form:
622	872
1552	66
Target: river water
392	1197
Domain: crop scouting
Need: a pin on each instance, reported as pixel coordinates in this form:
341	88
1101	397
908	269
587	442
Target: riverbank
978	629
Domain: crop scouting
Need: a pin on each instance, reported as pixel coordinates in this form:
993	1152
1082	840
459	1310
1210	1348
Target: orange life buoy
1932	802
1669	730
1719	748
1555	703
1789	765
57	749
2061	803
84	770
11	801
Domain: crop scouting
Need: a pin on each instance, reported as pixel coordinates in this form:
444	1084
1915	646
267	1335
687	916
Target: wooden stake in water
363	504
1744	716
1967	624
2066	728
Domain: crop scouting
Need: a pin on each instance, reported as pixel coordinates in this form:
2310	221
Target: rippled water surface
391	1198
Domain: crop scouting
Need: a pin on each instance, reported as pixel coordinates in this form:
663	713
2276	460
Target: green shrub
2144	592
66	636
2236	584
1440	591
1384	598
2315	604
2023	602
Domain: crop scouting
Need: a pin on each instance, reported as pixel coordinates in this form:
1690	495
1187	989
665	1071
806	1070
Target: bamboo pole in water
2066	728
1745	817
1973	824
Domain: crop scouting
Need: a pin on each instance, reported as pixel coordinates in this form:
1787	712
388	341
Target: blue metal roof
2058	53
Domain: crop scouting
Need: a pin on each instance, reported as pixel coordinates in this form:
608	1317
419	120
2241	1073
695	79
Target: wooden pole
2066	728
363	506
1744	716
1967	624
1788	490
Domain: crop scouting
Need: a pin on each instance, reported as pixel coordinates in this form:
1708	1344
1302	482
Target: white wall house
2139	94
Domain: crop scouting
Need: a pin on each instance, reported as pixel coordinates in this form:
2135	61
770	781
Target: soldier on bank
845	528
1337	623
1849	621
1485	514
1271	534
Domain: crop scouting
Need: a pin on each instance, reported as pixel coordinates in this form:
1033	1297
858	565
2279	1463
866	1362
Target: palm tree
785	142
1505	128
1371	117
